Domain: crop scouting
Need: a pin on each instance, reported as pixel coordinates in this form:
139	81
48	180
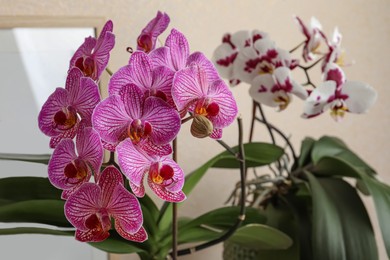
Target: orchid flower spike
93	55
147	39
91	208
339	95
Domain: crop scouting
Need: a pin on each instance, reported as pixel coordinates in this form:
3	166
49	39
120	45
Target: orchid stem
306	70
187	119
241	216
296	48
174	209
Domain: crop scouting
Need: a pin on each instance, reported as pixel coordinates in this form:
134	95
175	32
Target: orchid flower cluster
149	99
252	57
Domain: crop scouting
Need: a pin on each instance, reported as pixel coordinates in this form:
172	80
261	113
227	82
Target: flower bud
201	127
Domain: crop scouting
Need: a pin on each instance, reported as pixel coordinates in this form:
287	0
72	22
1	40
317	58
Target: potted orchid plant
102	200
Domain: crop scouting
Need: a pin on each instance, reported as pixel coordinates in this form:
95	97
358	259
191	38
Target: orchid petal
70	133
133	163
90	149
119	79
152	30
139	236
55	102
140	69
260	90
87	99
83	203
62	155
318	99
199	59
224	57
111	120
178	175
138	191
161	57
164	194
361	96
179	49
91	235
216	134
126	210
102	52
132	99
109	179
185	87
164	119
335	73
84	49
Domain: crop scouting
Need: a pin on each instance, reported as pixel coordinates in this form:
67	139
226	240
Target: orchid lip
65	119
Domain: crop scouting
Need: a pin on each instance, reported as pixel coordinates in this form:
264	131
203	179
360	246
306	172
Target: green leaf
224	218
261	237
117	245
49	212
381	194
332	146
197	234
35	158
34	230
256	154
306	147
27	188
341	226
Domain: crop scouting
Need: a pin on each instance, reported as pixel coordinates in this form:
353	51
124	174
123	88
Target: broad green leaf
27	188
341	226
332	146
49	212
224	218
306	147
256	154
334	166
35	158
34	230
117	245
381	194
261	237
197	234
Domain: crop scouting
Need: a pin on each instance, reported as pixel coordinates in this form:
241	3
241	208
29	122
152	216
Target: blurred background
366	36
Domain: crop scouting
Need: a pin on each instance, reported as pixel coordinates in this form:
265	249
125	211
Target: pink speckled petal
223	58
164	194
111	120
138	191
109	179
335	73
179	49
83	203
62	155
139	236
91	235
89	148
220	94
133	163
55	103
318	99
164	119
216	134
126	210
70	133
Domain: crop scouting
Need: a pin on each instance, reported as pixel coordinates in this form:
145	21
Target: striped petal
179	49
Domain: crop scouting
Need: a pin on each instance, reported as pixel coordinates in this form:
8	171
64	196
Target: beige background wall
364	25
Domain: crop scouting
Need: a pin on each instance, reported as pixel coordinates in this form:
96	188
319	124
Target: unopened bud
201	127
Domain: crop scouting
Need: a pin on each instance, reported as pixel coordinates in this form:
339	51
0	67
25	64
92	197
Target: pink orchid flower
92	206
226	53
193	90
276	89
152	81
61	114
314	36
261	58
129	115
93	55
164	175
147	39
339	95
68	170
